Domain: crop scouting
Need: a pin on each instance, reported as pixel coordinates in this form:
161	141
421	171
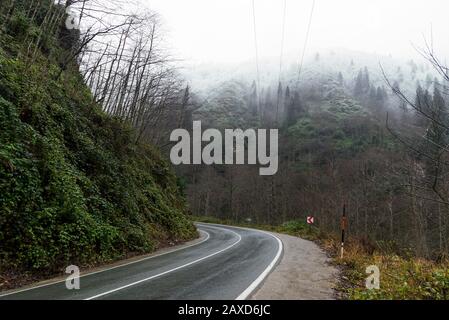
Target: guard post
343	229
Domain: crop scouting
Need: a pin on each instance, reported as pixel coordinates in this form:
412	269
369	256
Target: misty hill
333	143
319	66
336	87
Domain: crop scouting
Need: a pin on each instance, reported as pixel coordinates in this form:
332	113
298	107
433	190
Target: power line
280	60
306	41
257	53
282	39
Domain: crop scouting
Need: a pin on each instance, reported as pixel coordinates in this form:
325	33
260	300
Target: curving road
229	263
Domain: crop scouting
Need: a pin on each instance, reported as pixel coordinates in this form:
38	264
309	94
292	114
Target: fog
221	31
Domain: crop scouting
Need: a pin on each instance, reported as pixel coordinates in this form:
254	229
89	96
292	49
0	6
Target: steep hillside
75	188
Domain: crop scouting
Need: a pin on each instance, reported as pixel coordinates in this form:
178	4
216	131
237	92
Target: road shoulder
84	272
304	273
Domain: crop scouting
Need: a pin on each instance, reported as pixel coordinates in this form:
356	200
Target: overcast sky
222	30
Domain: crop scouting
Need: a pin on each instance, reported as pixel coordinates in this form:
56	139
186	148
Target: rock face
304	273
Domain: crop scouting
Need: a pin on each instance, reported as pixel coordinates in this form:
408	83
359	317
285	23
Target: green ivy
74	188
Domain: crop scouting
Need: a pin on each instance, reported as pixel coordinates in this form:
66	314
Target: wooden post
343	228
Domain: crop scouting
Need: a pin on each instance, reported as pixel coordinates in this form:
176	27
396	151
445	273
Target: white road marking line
111	268
244	295
253	286
171	270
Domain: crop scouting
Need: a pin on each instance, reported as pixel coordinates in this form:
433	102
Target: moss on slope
74	187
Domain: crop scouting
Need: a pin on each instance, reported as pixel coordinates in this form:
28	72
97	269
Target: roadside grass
402	276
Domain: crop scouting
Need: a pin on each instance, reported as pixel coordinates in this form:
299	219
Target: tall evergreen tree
279	104
340	79
381	95
253	103
366	80
358	88
436	136
295	108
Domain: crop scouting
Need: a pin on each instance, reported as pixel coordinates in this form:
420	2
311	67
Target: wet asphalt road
228	264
